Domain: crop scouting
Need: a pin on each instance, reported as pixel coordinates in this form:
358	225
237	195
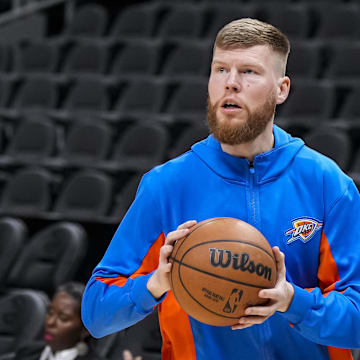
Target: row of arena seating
87	195
174	59
165	98
163	19
91	143
101	191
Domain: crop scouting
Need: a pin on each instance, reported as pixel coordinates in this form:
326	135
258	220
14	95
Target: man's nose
233	82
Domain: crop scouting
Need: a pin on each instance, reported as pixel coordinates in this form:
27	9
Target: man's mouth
231	106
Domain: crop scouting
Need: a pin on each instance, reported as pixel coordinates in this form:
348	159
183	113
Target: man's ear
283	89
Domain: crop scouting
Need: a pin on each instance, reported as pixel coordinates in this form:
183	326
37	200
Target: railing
21	8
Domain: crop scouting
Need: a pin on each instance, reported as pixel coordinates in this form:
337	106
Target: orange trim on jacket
175	326
328	275
149	264
178	341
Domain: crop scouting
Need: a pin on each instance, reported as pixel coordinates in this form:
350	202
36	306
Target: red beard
244	132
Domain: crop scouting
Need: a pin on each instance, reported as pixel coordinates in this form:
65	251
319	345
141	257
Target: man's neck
264	142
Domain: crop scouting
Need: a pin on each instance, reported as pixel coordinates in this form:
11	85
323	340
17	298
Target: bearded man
249	169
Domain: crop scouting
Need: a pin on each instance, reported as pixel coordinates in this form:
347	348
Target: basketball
219	268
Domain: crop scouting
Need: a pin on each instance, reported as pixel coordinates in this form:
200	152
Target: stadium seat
181	22
86	195
310	101
187	138
87	143
141	96
221	14
350	109
36	57
6	59
355	165
292	19
50	258
135	21
189	98
13	233
6	89
188	58
140	147
86	57
125	197
27	192
89	21
332	142
22	319
337	21
305	60
344	58
34	142
38	93
136	57
88	96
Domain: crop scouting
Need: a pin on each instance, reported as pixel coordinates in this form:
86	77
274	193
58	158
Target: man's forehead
255	52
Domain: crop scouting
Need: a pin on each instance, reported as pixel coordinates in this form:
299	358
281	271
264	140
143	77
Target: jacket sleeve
330	313
116	296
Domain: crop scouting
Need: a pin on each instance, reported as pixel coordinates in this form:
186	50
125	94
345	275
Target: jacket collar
268	165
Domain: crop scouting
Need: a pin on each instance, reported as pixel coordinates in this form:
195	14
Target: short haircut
73	289
247	32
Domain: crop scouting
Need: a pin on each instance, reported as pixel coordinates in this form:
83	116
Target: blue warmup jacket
300	200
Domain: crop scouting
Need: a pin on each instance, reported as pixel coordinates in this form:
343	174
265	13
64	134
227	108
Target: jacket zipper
252	193
264	331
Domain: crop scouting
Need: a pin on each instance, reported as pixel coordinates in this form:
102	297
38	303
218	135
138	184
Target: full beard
246	131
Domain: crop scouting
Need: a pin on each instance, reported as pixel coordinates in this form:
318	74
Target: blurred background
95	93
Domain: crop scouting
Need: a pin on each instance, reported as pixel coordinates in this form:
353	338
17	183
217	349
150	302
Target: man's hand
280	297
159	282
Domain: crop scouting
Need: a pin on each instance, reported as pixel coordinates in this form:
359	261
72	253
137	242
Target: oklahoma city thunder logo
303	229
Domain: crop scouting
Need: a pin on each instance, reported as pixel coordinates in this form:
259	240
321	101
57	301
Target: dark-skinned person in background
65	336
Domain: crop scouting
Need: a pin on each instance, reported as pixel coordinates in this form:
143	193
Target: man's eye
248	71
221	70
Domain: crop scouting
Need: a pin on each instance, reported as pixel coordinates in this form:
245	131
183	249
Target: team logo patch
303	229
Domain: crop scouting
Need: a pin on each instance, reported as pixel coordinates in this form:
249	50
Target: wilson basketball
219	268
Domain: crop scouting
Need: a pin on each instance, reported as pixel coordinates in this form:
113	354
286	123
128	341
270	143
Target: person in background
65	336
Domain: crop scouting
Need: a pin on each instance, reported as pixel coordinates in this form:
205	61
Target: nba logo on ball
219	268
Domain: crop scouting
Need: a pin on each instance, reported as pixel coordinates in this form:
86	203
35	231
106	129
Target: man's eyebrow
219	62
215	61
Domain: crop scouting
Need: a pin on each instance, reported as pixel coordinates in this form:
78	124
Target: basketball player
249	169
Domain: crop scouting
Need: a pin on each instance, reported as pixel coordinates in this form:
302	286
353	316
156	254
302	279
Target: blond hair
247	32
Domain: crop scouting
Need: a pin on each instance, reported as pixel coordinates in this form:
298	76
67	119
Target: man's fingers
265	311
176	235
240	327
280	261
252	320
181	231
248	321
269	294
165	252
279	256
187	224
